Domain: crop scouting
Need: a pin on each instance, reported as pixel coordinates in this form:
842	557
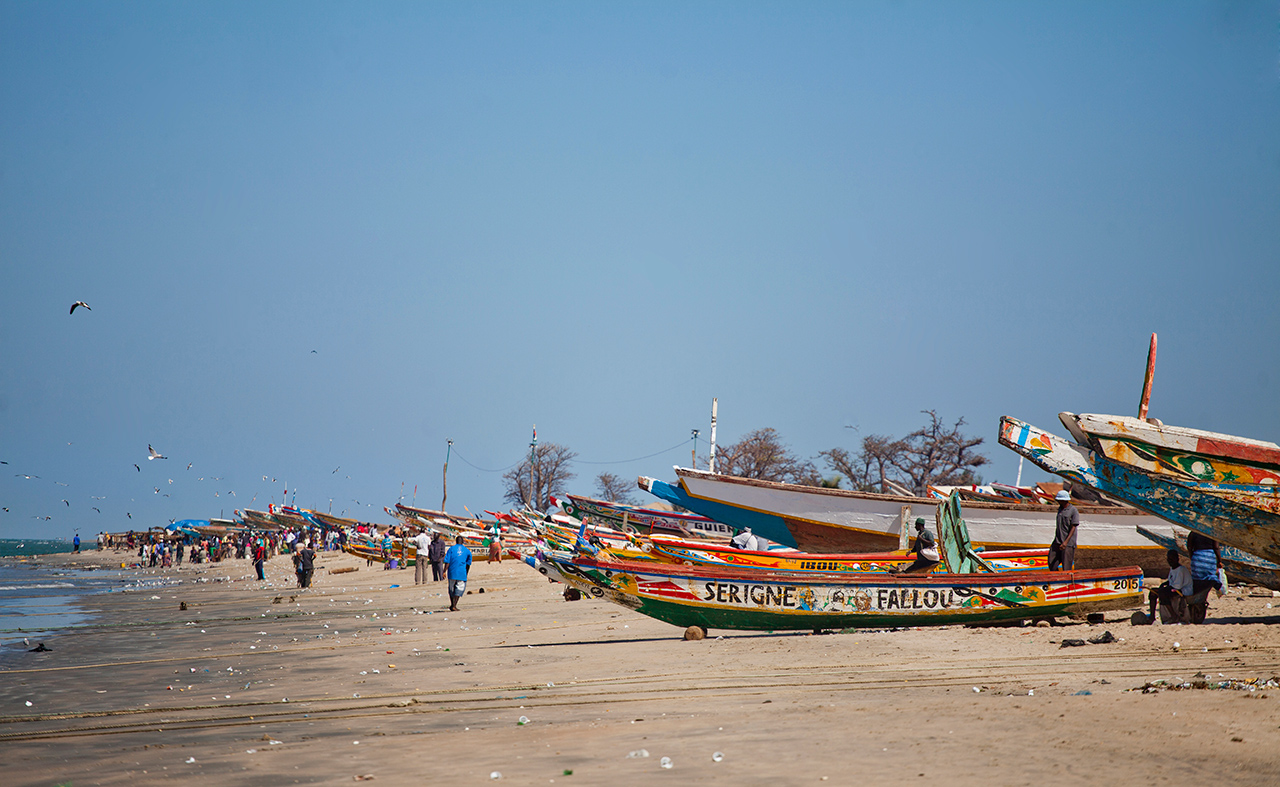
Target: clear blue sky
594	217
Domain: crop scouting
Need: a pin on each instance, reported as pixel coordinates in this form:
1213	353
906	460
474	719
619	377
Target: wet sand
268	685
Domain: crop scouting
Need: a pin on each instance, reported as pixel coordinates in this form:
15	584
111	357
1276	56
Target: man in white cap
1062	552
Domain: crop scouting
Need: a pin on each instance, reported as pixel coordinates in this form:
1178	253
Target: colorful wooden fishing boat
841	521
734	597
682	552
1240	566
1249	528
644	520
1238	469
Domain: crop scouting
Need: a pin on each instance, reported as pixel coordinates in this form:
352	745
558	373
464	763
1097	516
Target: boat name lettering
759	595
914	598
820	565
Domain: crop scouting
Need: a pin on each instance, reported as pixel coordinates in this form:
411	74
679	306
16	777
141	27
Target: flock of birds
152	454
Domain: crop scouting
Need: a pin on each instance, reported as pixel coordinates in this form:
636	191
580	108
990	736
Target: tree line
936	454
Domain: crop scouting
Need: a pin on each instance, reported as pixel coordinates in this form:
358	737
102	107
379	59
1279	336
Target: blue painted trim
770	526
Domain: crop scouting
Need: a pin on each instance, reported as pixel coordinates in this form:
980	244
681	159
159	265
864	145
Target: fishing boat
1238	469
681	552
1251	528
635	518
734	597
1240	566
815	519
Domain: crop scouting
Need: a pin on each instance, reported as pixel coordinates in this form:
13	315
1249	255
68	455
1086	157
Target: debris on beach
1203	681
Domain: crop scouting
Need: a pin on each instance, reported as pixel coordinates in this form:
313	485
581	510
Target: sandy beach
255	684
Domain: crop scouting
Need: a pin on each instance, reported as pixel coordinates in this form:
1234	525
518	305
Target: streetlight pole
533	467
448	452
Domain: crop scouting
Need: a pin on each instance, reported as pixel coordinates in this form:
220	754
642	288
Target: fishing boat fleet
820	558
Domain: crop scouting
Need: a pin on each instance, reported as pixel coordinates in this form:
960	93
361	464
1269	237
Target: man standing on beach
1062	552
306	564
458	559
423	544
77	543
436	554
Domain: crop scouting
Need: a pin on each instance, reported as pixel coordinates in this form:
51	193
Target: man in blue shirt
457	560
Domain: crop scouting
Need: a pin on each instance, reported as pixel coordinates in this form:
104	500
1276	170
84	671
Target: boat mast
711	459
694	454
1146	383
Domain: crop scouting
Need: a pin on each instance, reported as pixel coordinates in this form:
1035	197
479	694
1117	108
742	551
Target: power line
680	444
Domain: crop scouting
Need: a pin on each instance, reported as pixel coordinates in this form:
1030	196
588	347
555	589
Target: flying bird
60	483
135	464
153	453
157	490
126	513
189	464
315	351
42	517
78	303
67	502
97	497
166	495
99	510
28	477
6	509
336	469
171	480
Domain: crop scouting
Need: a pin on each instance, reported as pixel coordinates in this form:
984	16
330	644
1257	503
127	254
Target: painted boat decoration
733	597
1248	528
1239	469
1240	566
635	518
682	552
835	520
763	600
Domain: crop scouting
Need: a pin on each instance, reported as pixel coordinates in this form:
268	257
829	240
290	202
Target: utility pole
448	452
711	460
533	467
695	450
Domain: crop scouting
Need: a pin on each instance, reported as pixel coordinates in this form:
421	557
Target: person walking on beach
423	544
1062	552
77	543
436	554
458	558
306	564
260	559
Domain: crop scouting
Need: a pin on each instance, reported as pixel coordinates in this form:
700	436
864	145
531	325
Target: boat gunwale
849	578
681	472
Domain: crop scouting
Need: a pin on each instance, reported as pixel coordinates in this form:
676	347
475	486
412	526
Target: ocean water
10	547
36	601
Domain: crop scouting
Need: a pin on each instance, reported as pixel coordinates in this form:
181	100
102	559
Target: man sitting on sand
1172	595
458	561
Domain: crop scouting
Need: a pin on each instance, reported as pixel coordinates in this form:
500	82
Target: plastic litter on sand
665	762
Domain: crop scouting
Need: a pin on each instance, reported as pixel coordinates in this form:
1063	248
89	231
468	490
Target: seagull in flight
28	477
153	453
78	303
171	480
46	518
189	464
67	502
126	513
99	510
157	490
97	497
336	469
135	464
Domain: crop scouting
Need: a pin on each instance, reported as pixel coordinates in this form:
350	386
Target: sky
319	240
